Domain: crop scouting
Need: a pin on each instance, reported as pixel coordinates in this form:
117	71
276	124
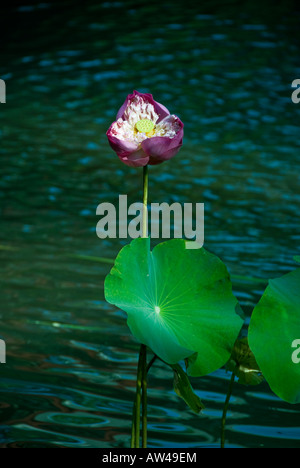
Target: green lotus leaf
274	335
178	301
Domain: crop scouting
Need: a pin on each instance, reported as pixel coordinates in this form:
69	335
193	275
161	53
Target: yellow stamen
145	126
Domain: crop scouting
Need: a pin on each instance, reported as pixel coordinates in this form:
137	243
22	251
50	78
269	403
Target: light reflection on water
70	373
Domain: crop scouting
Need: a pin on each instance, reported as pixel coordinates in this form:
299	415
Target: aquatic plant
179	301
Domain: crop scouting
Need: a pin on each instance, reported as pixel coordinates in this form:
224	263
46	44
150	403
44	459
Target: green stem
143	350
151	362
141	386
144	397
133	427
226	404
145	201
137	404
141	380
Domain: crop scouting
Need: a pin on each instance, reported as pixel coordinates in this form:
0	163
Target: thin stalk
226	404
143	349
144	397
145	201
136	413
151	362
133	426
141	380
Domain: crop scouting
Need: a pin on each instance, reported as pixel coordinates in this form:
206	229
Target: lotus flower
144	131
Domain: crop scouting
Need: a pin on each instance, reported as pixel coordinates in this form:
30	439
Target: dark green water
226	70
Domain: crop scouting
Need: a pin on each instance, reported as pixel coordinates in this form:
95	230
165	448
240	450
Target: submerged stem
226	404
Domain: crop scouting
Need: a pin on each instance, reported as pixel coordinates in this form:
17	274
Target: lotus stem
226	404
143	349
141	380
145	201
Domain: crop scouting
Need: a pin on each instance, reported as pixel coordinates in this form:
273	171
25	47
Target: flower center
144	126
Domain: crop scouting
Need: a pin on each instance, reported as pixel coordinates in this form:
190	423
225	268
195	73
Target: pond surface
226	71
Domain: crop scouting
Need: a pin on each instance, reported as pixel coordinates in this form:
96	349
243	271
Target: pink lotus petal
161	110
137	159
163	148
120	146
